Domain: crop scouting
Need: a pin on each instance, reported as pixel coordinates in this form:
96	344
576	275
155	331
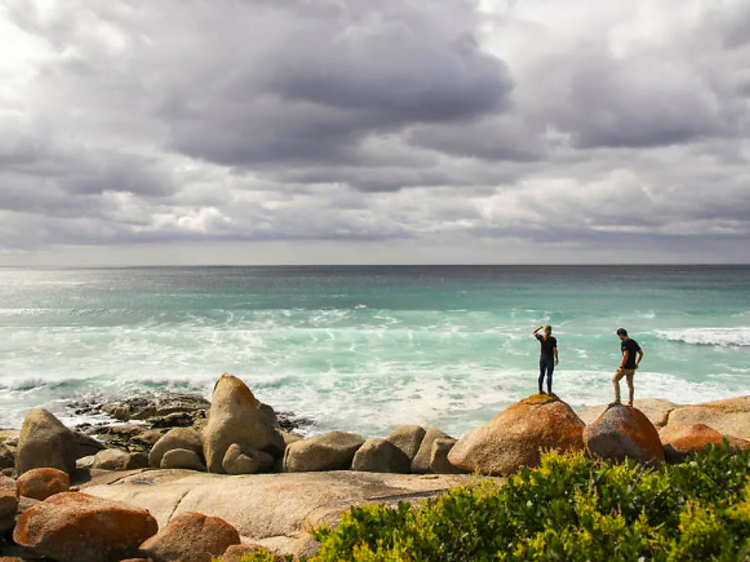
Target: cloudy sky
361	131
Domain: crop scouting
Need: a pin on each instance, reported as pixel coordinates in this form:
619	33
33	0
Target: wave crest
723	337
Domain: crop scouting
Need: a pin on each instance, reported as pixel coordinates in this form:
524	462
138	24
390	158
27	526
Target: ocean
367	348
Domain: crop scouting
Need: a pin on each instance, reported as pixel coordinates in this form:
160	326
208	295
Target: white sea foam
736	337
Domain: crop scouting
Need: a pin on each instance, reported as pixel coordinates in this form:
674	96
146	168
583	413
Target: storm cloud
557	130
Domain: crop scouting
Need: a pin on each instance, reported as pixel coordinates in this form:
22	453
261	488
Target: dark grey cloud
593	127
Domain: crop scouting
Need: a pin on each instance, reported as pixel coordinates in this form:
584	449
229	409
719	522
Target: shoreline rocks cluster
239	436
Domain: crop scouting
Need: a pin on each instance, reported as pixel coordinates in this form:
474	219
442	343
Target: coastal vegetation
571	508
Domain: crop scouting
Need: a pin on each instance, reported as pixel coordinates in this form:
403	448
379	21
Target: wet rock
380	455
191	537
41	483
7	456
515	437
245	460
87	445
235	418
421	462
75	527
178	438
333	450
116	459
45	442
182	458
622	432
175	419
407	439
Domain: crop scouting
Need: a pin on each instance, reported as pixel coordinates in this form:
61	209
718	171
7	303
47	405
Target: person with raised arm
548	357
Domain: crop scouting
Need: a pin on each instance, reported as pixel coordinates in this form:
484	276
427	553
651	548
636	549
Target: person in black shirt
631	357
548	358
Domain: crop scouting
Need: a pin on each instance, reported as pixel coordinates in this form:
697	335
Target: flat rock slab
728	417
655	409
267	505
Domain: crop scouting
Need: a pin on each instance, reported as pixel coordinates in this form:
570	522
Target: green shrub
571	509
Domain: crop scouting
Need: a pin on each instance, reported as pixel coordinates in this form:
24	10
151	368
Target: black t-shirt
633	348
547	345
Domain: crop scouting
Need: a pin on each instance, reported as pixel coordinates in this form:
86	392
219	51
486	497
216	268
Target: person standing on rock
631	357
548	357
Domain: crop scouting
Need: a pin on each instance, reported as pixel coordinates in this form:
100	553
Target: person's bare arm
534	333
557	359
640	356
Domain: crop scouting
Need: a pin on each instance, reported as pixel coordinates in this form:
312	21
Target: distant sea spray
367	348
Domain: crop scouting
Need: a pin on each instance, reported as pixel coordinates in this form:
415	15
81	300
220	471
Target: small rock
45	442
439	463
407	439
41	483
175	419
237	552
333	450
85	463
87	445
182	458
623	432
191	537
115	459
7	457
8	503
421	462
380	455
178	438
245	460
75	527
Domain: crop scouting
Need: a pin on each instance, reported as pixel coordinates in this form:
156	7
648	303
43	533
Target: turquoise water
367	348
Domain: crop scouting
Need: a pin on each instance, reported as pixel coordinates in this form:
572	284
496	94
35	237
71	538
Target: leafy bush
572	508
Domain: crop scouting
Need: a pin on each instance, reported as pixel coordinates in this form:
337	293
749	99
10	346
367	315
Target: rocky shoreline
173	462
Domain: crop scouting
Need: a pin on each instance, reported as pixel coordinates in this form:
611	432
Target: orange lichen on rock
515	437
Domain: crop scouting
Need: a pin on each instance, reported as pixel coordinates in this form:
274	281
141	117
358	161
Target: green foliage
570	509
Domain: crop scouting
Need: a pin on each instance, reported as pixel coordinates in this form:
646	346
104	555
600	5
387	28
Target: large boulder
407	439
682	440
191	537
182	458
116	459
515	437
333	450
380	455
235	418
421	462
41	483
86	445
728	417
439	463
8	503
177	438
624	432
75	527
45	442
245	460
